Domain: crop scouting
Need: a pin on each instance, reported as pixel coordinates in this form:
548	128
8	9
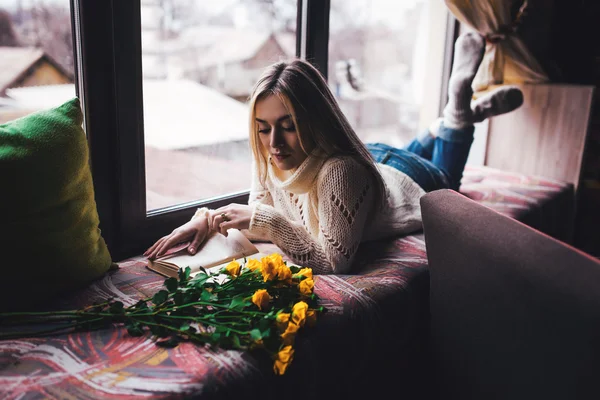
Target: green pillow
50	242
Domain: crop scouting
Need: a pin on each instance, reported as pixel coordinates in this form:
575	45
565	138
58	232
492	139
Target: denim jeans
433	163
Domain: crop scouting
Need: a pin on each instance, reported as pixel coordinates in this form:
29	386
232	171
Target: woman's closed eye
288	127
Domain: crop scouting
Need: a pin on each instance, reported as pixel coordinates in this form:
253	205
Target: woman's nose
276	138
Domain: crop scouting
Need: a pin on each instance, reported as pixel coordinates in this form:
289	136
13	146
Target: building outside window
199	61
384	60
36	56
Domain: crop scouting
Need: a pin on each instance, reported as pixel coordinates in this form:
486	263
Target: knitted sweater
320	214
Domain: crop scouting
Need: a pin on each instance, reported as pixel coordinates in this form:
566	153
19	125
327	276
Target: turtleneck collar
302	179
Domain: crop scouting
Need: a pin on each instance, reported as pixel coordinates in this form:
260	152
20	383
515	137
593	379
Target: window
199	63
138	62
36	56
383	56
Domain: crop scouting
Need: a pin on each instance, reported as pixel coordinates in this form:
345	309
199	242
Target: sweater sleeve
345	197
258	193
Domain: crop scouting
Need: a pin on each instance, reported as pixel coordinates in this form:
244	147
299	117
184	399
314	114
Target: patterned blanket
371	340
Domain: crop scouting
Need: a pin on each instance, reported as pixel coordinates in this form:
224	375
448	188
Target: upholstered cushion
49	235
515	314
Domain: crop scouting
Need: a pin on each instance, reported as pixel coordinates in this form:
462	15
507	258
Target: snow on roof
287	41
15	60
178	114
181	114
234	45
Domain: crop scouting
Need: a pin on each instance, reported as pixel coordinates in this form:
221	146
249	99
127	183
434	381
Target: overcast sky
12	4
389	12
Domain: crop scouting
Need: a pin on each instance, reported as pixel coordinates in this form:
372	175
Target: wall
576	53
44	73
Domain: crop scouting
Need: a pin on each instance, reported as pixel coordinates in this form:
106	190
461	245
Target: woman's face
278	134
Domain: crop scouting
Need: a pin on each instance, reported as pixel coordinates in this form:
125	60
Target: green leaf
172	284
160	297
184	274
264	324
208	296
116	308
171	342
179	298
159	331
134	329
239	303
256	334
191	296
185	326
221	329
236	342
141	305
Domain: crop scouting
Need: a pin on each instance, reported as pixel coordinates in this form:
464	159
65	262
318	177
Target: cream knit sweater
320	214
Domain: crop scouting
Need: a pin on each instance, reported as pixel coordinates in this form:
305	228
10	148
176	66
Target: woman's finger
171	241
155	245
211	220
153	248
155	252
197	241
224	226
217	221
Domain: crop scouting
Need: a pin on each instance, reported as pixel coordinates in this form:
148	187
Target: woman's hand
194	230
230	216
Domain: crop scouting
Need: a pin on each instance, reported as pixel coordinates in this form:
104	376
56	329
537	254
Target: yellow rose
284	358
269	270
276	259
307	272
284	274
311	317
261	298
282	320
233	268
306	287
289	335
299	313
253	264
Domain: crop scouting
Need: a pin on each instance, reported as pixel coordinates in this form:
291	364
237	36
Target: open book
216	252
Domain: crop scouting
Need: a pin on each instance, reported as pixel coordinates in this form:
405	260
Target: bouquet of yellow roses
261	304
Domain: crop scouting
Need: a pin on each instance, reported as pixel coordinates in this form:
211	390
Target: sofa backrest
515	314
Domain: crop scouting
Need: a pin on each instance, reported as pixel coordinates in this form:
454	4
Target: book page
217	249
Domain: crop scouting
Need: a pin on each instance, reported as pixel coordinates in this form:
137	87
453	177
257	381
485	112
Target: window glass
381	53
200	60
36	56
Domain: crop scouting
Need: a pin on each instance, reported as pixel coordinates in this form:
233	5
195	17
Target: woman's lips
281	156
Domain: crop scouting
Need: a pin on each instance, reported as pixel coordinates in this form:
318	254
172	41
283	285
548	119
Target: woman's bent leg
420	170
451	150
422	145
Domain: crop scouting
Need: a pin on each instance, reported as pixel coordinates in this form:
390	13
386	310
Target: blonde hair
316	114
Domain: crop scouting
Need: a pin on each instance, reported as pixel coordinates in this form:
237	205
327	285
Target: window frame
108	51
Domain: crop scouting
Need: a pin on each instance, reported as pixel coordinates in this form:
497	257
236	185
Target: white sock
500	101
468	54
435	126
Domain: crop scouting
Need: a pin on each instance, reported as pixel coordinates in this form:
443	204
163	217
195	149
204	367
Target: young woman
318	191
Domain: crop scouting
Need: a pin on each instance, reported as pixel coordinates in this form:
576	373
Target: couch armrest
515	314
